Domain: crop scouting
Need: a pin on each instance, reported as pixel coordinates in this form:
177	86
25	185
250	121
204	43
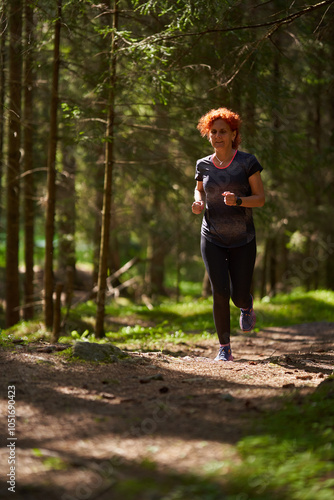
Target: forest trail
83	427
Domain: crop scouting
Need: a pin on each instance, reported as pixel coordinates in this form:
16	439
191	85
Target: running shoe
225	354
247	319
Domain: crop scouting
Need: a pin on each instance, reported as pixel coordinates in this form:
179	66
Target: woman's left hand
256	199
229	198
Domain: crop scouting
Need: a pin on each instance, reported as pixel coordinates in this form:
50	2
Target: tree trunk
156	251
66	214
57	313
28	311
264	270
114	260
13	170
284	263
99	180
156	247
273	265
108	183
51	180
275	155
329	264
3	39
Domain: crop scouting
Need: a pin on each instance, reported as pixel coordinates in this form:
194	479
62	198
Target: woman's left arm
256	199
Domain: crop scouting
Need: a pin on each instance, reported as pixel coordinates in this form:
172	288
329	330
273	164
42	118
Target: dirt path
83	427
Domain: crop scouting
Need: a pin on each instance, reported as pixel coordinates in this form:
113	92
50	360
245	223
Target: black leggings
230	271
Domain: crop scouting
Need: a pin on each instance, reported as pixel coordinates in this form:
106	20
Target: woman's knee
242	301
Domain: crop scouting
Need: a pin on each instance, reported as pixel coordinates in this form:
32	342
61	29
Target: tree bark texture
66	213
108	184
156	252
51	179
66	216
28	311
13	169
3	42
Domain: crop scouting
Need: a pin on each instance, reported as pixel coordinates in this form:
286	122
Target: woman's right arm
199	202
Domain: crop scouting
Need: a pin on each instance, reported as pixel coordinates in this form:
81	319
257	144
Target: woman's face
221	136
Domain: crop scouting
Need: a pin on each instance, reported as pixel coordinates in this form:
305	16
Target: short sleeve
198	172
253	166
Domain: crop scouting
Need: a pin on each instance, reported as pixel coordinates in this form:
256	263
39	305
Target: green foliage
171	488
50	462
293	451
26	331
189	320
296	307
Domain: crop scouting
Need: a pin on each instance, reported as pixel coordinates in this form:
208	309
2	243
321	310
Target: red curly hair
231	118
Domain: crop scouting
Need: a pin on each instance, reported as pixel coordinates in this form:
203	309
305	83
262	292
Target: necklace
228	161
220	162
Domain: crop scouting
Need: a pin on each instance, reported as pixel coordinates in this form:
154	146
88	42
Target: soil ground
82	427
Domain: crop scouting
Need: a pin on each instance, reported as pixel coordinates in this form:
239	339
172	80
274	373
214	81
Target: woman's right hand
197	207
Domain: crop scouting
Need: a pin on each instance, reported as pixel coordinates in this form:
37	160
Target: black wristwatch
238	201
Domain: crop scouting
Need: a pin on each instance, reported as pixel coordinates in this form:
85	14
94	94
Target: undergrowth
134	326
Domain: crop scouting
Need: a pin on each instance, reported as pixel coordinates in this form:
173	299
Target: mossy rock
91	351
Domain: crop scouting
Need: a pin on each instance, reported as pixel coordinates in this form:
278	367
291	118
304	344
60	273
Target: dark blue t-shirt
224	225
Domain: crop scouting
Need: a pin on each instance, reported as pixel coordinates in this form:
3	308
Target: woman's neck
224	156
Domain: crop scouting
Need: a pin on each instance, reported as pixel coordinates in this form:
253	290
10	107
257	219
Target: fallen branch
122	269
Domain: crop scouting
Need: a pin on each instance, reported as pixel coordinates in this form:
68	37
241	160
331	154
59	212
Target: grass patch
50	462
173	322
296	307
191	320
293	452
25	331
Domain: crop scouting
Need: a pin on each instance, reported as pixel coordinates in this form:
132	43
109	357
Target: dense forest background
99	105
